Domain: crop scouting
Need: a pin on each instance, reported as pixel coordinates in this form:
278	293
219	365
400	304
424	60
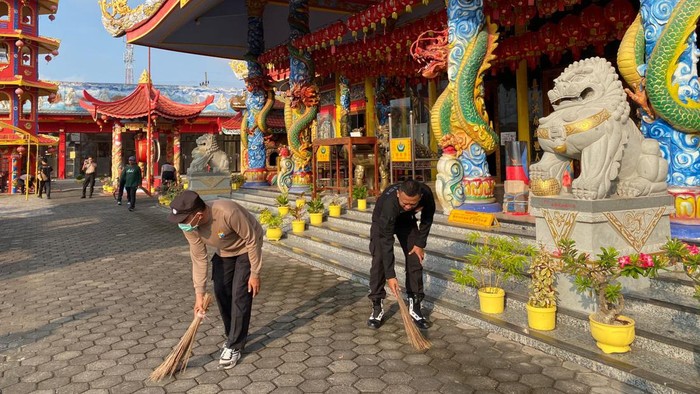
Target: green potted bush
237	181
334	206
315	208
301	200
359	193
283	204
542	298
688	256
495	260
612	331
298	224
273	223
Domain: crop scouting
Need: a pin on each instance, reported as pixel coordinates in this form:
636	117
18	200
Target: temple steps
665	356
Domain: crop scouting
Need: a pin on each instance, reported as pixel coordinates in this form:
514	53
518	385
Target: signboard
507	136
323	153
401	149
469	218
71	155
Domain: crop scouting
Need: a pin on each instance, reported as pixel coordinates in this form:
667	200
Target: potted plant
273	224
301	200
107	185
612	331
283	204
298	224
315	208
688	256
359	193
495	259
542	300
237	180
334	206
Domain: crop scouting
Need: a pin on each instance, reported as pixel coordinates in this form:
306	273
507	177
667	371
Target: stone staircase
665	356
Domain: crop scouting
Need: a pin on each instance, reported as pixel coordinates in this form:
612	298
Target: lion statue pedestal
620	199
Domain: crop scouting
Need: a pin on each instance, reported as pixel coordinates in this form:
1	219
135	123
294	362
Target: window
27	15
4	51
4	12
5	105
26	56
27	106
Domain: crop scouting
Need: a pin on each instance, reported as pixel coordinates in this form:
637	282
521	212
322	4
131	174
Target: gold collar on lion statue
578	126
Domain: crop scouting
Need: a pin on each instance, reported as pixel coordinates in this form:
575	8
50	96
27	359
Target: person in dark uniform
395	213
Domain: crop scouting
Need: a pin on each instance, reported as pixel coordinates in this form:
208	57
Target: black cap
183	205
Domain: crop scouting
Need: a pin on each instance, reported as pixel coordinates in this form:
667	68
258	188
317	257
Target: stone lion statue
206	153
591	123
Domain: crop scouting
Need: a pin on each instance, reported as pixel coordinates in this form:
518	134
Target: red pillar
62	155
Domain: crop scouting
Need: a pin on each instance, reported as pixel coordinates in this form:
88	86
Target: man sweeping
395	213
238	238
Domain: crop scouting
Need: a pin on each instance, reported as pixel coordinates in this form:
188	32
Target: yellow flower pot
316	219
185	186
362	204
283	210
274	234
492	300
611	338
298	226
301	202
543	319
234	186
334	210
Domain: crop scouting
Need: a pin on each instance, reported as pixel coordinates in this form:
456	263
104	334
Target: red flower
646	260
624	261
692	249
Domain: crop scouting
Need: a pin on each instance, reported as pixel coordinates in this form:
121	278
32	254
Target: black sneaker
229	357
375	319
416	314
131	209
119	203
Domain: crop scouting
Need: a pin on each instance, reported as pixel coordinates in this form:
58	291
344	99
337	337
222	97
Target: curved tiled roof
144	100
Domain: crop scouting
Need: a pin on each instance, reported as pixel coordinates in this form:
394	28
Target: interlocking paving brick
100	321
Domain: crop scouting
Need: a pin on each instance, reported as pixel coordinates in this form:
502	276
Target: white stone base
630	225
210	184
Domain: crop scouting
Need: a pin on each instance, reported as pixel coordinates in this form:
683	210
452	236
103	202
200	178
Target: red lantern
19	43
54	52
21	150
48	58
52	17
19	91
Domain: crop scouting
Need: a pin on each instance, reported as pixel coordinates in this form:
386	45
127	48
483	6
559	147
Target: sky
89	54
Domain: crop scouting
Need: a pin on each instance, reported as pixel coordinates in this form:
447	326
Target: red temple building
20	87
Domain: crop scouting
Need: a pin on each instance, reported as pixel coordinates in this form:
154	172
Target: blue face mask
186	227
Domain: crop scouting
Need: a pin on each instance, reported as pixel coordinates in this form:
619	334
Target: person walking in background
395	213
168	174
90	170
131	174
120	190
45	178
238	238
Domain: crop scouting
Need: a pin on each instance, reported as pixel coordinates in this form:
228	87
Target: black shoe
375	319
82	197
48	197
416	314
40	196
131	209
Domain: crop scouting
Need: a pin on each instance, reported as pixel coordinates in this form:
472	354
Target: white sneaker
229	357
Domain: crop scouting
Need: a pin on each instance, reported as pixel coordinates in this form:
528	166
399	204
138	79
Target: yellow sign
478	219
71	155
323	153
401	149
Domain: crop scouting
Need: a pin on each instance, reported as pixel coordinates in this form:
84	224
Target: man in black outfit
395	213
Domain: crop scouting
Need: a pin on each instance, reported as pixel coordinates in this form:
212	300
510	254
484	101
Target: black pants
414	270
230	275
121	190
89	180
45	185
131	195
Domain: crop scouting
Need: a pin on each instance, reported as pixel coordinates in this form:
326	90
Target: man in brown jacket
238	238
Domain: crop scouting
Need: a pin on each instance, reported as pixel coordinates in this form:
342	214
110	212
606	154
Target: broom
415	338
180	355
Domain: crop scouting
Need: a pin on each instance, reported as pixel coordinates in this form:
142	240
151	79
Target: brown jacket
233	231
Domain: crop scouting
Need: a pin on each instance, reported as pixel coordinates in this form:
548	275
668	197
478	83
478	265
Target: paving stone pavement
93	298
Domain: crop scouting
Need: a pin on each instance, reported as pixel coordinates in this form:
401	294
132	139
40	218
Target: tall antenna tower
129	64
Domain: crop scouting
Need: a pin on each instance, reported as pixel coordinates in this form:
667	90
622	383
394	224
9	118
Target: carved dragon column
259	99
176	150
383	109
117	161
302	104
344	87
664	37
458	119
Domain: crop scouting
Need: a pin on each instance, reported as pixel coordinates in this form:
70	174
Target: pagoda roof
274	121
11	135
145	100
44	88
46	44
196	26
